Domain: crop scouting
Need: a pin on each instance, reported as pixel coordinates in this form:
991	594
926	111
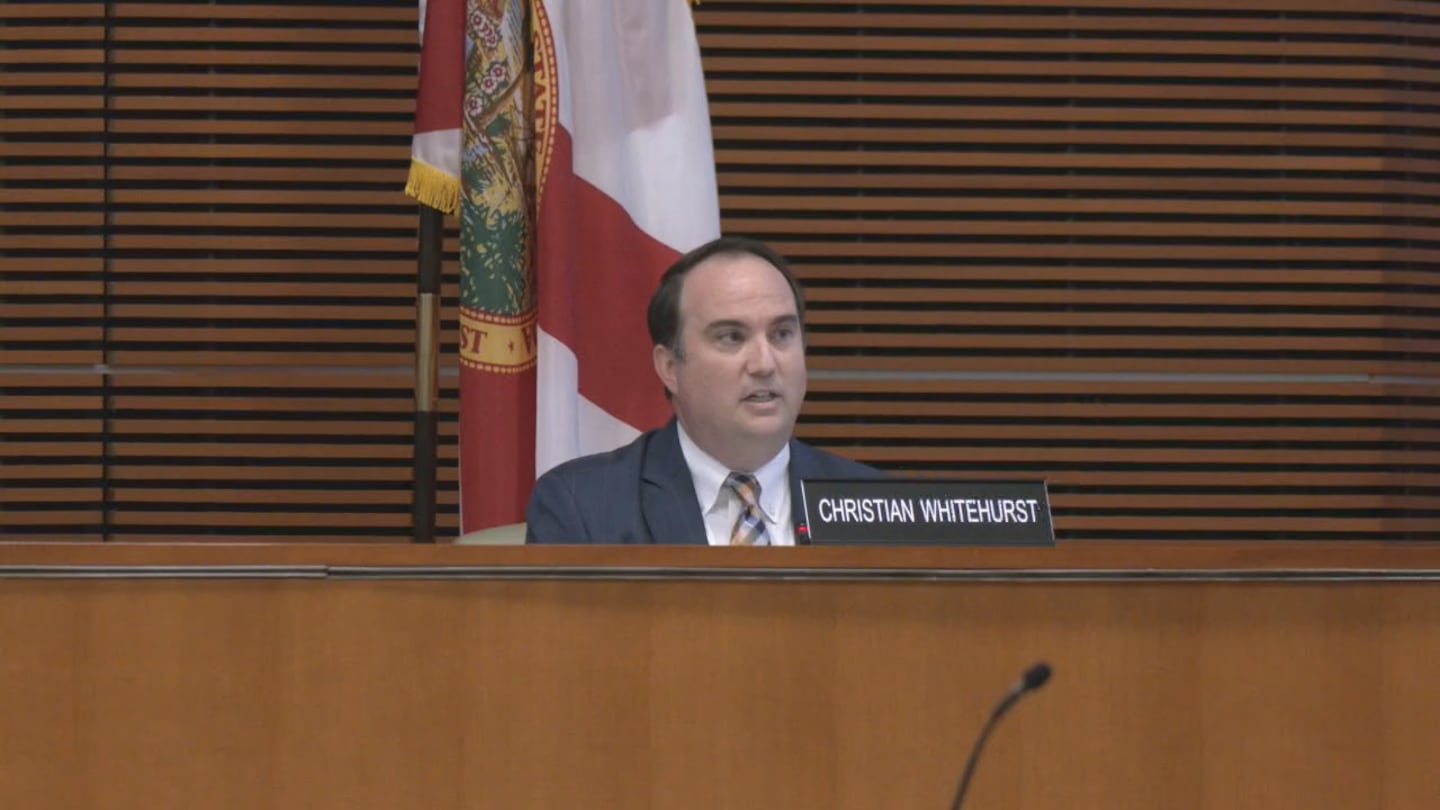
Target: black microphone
1034	678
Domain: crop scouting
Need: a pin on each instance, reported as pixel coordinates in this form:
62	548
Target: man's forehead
718	277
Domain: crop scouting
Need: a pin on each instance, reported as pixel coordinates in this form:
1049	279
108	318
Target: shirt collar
709	477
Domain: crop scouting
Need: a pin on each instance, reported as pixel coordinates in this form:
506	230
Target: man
727	322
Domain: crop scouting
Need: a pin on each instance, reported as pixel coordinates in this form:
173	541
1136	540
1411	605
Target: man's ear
665	366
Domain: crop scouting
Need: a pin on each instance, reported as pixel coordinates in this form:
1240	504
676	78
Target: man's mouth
762	396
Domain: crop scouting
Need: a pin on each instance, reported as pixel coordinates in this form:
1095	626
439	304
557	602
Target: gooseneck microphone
1034	678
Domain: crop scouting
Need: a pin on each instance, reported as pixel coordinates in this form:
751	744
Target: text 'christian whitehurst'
931	510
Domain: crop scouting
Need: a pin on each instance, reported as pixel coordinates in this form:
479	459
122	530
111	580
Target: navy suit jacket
644	493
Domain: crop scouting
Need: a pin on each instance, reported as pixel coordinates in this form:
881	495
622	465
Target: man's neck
746	460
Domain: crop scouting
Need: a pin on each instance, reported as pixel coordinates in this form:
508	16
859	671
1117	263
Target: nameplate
925	512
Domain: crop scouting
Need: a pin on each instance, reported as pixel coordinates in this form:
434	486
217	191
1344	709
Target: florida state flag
585	167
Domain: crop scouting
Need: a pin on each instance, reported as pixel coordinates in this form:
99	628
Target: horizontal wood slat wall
1176	257
1158	253
52	271
252	259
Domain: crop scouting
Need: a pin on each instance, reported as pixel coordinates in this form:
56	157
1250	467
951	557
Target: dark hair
663	317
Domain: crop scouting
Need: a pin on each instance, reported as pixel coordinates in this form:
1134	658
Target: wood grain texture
360	694
1112	190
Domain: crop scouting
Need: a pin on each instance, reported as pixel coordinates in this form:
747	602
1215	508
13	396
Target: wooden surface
794	693
1136	558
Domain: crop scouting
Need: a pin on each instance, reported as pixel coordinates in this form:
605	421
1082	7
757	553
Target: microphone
1034	678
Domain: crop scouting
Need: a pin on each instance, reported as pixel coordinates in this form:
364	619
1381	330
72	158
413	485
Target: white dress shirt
721	507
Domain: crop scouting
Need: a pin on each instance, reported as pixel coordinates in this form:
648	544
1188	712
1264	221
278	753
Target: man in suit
727	323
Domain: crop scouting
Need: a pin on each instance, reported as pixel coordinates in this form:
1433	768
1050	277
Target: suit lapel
667	492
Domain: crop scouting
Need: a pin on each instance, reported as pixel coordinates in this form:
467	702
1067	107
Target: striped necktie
750	526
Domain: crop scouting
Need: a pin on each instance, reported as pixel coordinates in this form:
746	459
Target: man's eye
728	338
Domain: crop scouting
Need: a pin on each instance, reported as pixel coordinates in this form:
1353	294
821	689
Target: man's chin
770	427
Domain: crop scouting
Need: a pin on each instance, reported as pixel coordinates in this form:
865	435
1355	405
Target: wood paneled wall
1176	257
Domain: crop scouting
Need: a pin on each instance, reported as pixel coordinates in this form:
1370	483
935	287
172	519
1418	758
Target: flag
583	166
627	184
435	147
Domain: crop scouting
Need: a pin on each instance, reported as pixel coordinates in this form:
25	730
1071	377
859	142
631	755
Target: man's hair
664	315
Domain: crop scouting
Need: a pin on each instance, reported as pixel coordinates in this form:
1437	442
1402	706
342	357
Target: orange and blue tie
750	526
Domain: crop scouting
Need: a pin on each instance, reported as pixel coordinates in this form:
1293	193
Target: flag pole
427	374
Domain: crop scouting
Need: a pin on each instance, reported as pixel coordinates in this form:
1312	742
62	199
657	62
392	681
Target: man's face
741	381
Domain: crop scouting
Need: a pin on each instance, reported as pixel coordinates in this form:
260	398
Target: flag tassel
433	187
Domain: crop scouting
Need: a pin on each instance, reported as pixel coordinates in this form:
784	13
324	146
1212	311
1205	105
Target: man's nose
760	360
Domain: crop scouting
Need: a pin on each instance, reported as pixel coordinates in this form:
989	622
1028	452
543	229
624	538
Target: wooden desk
1196	676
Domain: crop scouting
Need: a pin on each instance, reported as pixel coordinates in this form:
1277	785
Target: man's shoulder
810	461
606	463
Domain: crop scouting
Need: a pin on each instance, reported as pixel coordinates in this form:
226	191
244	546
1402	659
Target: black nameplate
925	512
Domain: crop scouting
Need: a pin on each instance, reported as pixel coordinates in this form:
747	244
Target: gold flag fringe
432	187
